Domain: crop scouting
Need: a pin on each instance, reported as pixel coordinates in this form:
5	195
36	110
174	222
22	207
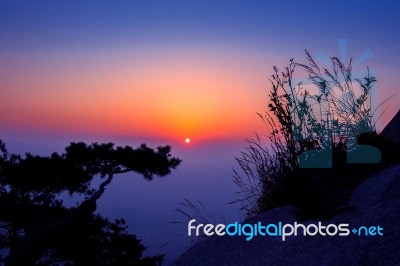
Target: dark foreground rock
392	130
375	202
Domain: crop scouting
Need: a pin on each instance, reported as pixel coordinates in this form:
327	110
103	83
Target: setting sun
187	140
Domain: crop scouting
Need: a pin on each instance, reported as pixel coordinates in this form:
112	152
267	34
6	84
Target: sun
187	140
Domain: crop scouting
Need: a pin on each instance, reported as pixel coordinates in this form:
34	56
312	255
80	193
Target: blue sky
255	23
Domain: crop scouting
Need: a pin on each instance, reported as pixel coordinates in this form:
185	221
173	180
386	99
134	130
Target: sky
162	71
171	69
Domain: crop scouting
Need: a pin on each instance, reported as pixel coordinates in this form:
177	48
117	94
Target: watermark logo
336	105
281	230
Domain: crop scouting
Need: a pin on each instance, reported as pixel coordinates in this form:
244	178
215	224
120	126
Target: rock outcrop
375	202
392	130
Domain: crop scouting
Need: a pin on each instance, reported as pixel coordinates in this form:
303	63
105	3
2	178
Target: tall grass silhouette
329	112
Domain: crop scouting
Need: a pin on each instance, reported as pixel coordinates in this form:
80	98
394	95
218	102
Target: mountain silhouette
392	130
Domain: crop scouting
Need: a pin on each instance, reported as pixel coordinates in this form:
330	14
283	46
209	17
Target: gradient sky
171	69
161	71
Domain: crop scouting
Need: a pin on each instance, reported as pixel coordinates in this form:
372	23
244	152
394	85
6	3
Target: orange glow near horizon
160	95
204	94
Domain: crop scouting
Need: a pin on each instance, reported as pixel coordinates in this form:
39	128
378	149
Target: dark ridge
392	130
